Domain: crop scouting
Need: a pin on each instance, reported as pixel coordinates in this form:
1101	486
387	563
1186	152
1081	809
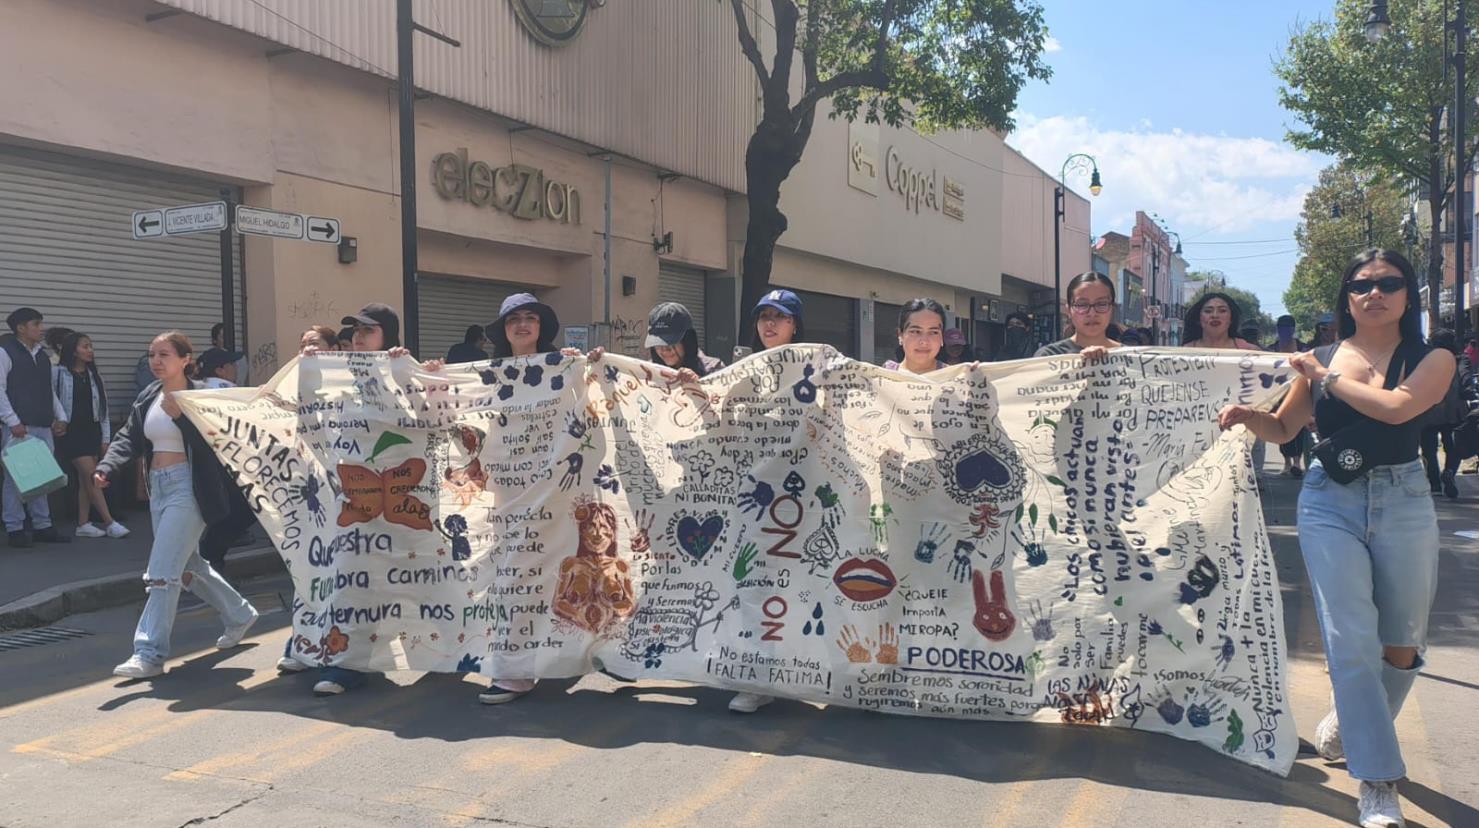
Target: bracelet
1328	380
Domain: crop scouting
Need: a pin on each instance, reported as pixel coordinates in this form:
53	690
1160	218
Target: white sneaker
497	695
234	635
117	530
328	688
1379	806
288	664
1327	738
137	667
88	530
748	702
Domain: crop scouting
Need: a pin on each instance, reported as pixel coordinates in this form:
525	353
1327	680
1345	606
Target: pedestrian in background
921	337
1370	543
1089	299
472	348
218	341
346	338
79	387
219	368
1446	418
28	408
1286	340
1018	343
320	338
672	341
1324	331
188	491
956	350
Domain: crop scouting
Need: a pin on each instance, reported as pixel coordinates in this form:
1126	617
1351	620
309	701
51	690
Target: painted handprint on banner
758	498
574	462
930	541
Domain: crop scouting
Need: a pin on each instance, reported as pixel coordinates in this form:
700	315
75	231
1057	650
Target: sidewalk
50	581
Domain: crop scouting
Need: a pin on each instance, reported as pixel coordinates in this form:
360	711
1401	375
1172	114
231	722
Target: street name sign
195	218
322	229
256	221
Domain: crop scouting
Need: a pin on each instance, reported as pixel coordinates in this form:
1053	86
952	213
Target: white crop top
161	430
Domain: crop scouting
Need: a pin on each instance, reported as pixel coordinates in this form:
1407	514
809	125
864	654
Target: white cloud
1052	45
1201	184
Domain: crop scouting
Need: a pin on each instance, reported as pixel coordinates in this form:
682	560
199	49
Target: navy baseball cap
782	300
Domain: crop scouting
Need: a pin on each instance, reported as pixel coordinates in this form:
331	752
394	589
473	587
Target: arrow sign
322	229
148	224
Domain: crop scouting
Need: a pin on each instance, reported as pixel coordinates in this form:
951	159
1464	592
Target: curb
58	602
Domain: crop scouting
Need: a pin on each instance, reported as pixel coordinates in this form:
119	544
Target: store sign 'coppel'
520	190
919	188
554	22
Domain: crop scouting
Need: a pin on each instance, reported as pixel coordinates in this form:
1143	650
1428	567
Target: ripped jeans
1371	549
175	562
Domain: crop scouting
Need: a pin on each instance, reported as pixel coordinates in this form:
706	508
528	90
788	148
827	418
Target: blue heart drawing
696	539
974	469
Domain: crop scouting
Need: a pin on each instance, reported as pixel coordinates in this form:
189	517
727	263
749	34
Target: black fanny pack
1356	449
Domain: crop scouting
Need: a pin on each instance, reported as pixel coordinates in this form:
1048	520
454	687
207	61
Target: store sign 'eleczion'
520	190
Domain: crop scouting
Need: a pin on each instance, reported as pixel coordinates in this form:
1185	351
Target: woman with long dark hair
1213	322
921	336
79	386
1367	528
1089	298
188	491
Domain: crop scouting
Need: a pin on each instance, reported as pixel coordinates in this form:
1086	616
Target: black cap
214	358
378	315
668	324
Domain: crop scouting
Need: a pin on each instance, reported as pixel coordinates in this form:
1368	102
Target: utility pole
405	27
1461	166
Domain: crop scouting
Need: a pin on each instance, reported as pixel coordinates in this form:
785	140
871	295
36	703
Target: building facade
637	111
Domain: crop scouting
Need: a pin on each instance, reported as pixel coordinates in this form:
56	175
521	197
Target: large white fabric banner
1042	540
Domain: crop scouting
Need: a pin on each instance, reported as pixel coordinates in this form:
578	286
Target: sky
1178	102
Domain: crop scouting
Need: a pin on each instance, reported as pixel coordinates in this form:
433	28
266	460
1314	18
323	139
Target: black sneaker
49	535
19	540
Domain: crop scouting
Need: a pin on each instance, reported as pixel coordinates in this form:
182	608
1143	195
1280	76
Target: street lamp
1378	25
1337	212
1078	162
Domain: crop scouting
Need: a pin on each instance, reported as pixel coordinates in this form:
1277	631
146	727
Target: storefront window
885	331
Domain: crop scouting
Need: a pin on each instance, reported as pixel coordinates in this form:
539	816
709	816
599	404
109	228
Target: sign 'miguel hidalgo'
517	189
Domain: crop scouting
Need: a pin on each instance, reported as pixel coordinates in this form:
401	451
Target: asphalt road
223	740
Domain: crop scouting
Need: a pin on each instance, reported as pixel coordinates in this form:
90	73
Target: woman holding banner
1090	301
188	490
1367	527
921	336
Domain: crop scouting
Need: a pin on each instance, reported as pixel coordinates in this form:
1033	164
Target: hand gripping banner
1040	540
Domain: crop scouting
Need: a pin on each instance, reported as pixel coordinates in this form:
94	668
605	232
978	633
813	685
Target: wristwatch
1330	378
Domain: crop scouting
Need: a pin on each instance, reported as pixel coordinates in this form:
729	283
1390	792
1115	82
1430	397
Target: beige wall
1027	224
303	134
829	218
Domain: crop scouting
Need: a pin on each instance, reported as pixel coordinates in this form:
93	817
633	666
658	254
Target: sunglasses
1386	284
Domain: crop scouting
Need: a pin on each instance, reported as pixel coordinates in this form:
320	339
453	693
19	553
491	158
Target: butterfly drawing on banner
370	494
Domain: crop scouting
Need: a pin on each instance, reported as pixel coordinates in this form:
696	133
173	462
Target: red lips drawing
864	581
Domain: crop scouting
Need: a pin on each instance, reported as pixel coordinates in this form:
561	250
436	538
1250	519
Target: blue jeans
1371	549
175	563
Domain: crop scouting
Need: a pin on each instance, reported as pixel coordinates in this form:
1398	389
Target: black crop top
1398	442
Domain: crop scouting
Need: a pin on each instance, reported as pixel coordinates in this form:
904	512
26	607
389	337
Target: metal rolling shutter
885	331
450	303
685	286
832	320
66	250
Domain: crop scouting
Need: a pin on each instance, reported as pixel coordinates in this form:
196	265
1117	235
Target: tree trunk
1435	256
773	153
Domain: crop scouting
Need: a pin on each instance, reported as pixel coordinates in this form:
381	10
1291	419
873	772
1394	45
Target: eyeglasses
1386	284
1102	306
